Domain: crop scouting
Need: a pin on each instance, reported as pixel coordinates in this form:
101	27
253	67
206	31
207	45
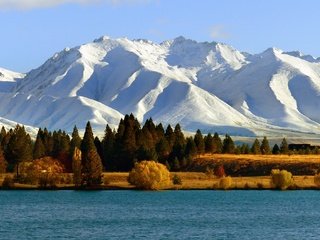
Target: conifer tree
39	150
217	143
255	149
108	145
191	148
91	162
284	149
169	134
209	143
228	145
19	148
265	147
75	140
3	162
198	140
276	149
163	149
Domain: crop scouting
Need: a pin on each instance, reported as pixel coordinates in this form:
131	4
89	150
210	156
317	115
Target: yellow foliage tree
281	179
149	175
225	183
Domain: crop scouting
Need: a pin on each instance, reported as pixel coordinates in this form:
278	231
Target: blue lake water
160	215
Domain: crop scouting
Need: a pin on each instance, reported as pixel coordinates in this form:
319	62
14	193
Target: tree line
119	149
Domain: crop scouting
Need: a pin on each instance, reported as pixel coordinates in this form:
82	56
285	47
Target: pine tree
255	149
75	140
163	149
19	148
3	162
265	147
275	149
198	140
91	162
217	143
209	143
39	150
191	148
228	145
284	149
108	145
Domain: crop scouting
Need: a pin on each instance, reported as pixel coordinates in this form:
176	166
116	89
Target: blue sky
32	32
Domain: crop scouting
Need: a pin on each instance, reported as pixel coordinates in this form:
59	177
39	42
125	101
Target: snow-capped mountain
210	86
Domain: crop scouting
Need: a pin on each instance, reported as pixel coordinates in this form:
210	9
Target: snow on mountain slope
8	79
275	88
210	86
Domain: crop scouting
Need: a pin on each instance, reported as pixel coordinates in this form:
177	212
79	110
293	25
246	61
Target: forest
120	148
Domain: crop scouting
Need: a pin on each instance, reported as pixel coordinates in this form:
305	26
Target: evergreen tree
265	147
198	140
92	169
176	165
255	149
228	145
3	162
217	143
75	140
108	144
99	148
39	150
3	134
163	149
91	162
19	148
284	149
191	148
209	143
276	149
169	134
245	149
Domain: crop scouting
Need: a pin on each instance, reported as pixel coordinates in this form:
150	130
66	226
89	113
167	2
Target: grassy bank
190	181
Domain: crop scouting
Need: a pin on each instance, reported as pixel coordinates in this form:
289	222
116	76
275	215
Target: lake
159	215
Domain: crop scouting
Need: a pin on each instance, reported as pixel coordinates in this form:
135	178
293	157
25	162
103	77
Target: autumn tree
76	167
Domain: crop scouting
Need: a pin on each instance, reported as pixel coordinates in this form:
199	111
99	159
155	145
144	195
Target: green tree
19	148
255	149
265	147
39	150
191	148
228	145
199	141
217	143
75	140
3	162
108	145
91	162
209	143
275	149
284	149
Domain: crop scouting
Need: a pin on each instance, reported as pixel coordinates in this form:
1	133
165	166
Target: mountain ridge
210	86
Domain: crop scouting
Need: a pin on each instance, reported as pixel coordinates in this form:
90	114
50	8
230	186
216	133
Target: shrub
225	183
281	179
209	172
8	182
149	175
176	180
220	172
316	180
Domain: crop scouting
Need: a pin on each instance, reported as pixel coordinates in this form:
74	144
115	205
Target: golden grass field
202	180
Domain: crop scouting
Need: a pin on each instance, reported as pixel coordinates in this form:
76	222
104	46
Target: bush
225	183
281	179
317	180
209	172
149	175
220	172
8	182
176	180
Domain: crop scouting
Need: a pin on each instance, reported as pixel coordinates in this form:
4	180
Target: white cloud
219	32
30	4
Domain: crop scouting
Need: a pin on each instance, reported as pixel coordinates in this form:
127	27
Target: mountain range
201	85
